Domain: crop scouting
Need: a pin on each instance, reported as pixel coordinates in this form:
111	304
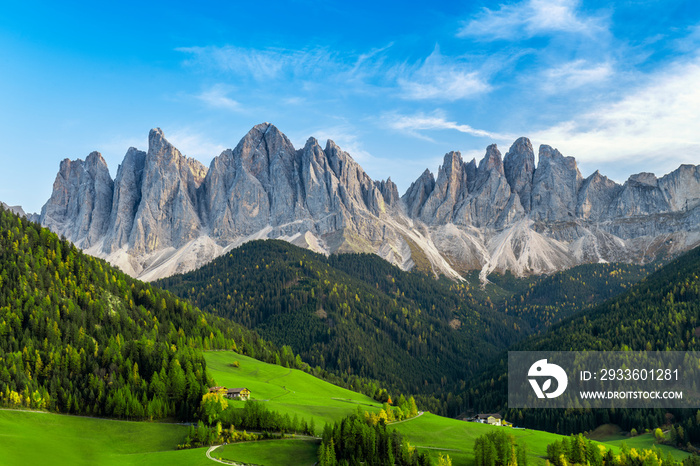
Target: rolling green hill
41	438
287	391
294	392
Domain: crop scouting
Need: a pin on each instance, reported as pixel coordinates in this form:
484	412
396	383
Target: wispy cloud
217	97
531	18
434	78
657	123
575	74
438	78
414	125
262	64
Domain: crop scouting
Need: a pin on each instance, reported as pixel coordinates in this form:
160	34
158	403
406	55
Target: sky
395	84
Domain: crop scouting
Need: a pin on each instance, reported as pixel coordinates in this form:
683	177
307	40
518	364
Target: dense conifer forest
357	315
353	314
660	313
79	336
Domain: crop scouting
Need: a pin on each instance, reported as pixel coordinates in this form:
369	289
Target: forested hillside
79	336
660	313
355	314
549	299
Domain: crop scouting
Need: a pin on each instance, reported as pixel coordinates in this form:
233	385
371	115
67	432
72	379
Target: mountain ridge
165	213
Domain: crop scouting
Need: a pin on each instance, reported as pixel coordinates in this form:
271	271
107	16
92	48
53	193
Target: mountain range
165	213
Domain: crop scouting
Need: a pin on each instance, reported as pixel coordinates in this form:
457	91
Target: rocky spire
519	167
80	205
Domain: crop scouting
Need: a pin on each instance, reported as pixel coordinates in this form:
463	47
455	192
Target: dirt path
211	449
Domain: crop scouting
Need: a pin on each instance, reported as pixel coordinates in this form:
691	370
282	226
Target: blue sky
396	84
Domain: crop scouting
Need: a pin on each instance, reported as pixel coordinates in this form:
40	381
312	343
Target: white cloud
655	124
414	124
575	74
265	64
436	77
531	18
439	79
217	96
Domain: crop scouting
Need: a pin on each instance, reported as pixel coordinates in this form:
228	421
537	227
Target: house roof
236	390
486	416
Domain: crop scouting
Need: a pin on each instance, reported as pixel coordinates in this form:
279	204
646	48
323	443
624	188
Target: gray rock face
418	193
595	197
489	197
80	205
450	188
519	168
126	200
165	213
555	187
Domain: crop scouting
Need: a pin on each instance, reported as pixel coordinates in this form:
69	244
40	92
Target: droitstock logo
546	372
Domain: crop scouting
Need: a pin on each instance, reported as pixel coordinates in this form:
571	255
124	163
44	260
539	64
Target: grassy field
35	437
286	390
32	437
456	438
645	441
271	452
295	392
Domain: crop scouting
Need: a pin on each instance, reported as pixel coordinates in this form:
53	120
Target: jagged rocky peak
161	150
165	213
450	187
389	190
81	201
519	168
492	160
418	193
489	201
556	183
596	197
126	199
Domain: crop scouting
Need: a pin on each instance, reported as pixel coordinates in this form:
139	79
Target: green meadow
286	390
645	441
34	437
37	437
456	438
295	392
289	452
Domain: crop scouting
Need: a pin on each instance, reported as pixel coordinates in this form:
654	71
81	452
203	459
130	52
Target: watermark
603	379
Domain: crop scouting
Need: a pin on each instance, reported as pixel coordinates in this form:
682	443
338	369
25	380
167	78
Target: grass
645	441
34	437
295	392
456	438
286	390
271	452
